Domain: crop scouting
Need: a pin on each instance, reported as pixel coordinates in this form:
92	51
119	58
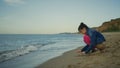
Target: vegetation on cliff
110	26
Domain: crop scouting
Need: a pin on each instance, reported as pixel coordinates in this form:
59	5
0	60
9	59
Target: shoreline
70	59
53	60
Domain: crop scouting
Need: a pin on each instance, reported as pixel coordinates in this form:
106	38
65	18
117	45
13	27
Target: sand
110	58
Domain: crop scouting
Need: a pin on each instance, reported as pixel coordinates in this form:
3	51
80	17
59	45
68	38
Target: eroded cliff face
113	25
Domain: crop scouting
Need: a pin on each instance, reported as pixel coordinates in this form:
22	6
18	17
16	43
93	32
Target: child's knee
100	46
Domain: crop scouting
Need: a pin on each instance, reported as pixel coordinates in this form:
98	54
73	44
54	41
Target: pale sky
54	16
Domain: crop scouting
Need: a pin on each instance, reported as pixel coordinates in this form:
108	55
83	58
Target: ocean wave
48	43
7	55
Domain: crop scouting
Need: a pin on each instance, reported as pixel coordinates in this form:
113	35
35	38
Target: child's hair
82	25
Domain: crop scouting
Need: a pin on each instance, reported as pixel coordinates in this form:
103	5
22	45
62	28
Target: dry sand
109	59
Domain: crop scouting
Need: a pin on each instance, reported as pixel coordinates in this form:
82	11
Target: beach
110	58
30	50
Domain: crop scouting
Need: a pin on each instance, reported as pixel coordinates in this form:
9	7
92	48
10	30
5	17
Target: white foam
19	52
31	48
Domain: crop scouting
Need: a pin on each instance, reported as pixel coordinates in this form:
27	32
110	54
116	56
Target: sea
31	50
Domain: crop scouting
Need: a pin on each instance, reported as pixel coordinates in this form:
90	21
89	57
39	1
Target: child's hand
83	53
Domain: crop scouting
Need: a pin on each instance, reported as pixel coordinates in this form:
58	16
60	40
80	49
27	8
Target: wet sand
110	58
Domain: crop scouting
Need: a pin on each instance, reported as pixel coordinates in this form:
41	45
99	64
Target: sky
54	16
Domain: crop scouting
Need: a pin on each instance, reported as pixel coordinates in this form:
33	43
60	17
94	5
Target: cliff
110	26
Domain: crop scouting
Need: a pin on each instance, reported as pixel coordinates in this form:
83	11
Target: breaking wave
7	55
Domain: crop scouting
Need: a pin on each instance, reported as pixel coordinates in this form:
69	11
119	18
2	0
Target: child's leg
100	47
83	49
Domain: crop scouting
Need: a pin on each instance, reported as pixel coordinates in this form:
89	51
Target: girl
94	39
